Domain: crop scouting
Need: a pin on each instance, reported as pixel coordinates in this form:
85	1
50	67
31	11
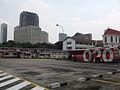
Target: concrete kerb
57	85
117	71
113	72
97	76
83	79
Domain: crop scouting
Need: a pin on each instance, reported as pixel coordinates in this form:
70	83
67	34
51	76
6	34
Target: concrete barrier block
117	71
81	80
113	72
63	84
97	76
88	78
56	85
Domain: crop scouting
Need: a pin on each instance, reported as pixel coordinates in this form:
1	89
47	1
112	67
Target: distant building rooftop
83	39
111	32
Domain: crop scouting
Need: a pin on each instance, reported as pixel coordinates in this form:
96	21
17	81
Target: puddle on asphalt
20	69
62	70
91	88
31	73
85	73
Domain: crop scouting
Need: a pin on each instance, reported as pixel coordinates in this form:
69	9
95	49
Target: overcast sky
84	16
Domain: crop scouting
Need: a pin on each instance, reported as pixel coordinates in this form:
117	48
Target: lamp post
63	33
61	27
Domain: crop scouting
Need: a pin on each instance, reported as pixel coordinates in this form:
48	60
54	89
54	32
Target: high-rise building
62	36
3	33
30	34
29	30
28	18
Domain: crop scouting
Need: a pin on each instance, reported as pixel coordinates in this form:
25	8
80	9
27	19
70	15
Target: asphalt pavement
60	75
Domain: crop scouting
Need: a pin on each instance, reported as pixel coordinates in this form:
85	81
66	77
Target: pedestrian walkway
11	82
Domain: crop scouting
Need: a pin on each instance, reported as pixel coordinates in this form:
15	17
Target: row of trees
10	43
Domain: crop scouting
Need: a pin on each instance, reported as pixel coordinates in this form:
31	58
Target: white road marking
8	82
5	77
16	86
38	88
19	86
3	74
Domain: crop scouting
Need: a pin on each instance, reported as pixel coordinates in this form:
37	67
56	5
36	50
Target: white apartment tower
3	33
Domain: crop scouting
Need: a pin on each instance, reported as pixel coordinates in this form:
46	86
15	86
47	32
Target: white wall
65	45
74	45
109	43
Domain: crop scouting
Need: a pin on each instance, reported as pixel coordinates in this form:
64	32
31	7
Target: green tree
59	45
11	43
27	45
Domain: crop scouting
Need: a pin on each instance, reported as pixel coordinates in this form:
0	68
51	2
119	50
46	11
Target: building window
77	42
81	42
111	39
106	43
69	43
105	39
6	53
69	48
14	53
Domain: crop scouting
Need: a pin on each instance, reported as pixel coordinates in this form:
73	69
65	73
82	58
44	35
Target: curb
117	71
83	79
56	85
113	72
97	76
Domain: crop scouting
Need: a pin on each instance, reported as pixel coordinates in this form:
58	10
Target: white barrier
111	72
83	79
56	85
97	76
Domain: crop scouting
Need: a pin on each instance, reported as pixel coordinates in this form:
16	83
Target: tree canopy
11	43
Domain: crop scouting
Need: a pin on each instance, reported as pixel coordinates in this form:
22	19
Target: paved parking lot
44	72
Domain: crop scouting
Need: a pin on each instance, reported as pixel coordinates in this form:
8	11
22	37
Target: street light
61	27
63	33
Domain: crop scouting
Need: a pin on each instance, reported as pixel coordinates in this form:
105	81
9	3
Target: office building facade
29	30
62	36
28	19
